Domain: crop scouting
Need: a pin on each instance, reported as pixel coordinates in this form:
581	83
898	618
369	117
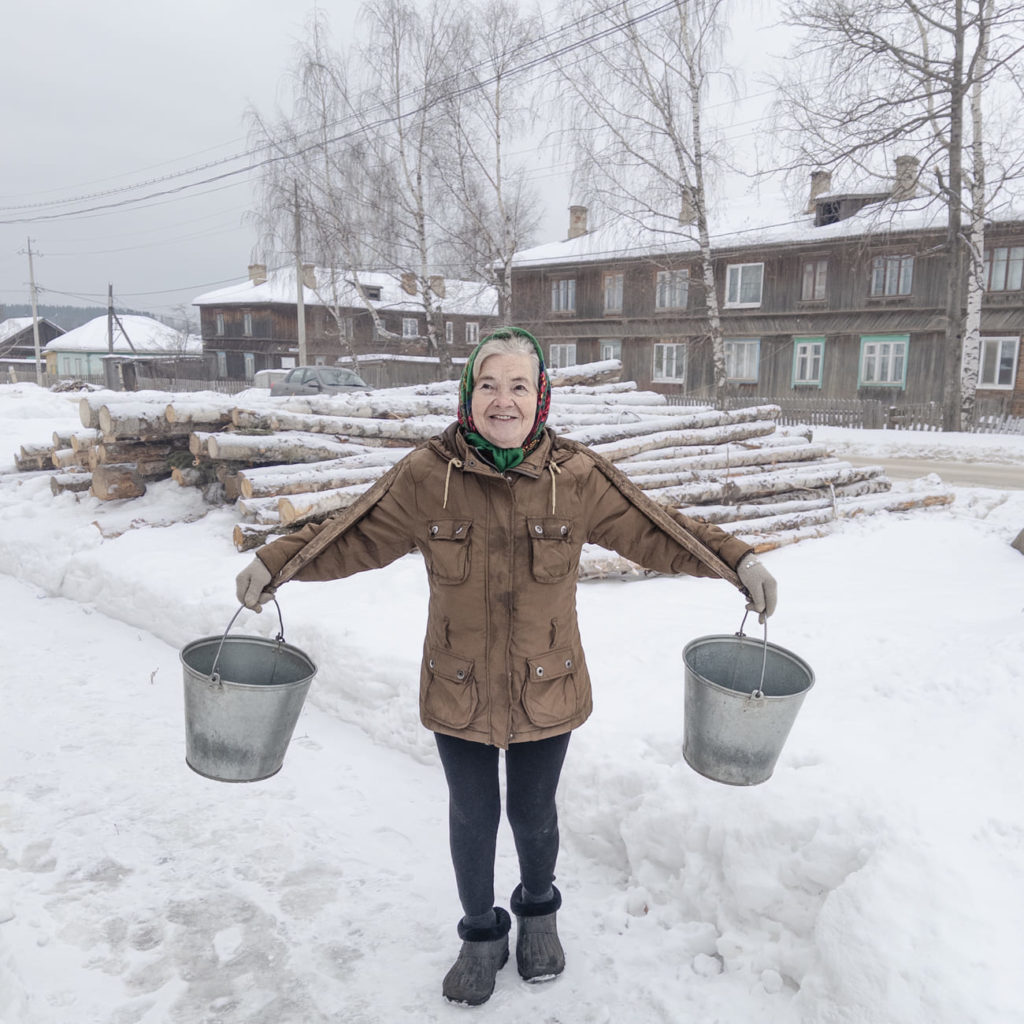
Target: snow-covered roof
469	298
740	224
16	324
148	336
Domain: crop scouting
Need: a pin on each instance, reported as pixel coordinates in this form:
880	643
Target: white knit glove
760	586
251	585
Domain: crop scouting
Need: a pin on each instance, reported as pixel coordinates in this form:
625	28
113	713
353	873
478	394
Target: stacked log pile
287	462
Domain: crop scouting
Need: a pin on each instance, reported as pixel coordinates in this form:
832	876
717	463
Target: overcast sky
101	96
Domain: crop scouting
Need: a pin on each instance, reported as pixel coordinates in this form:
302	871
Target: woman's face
504	401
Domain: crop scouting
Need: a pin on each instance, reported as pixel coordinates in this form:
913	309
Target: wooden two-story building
844	301
253	325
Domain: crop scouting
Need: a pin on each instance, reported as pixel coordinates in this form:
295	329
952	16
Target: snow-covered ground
877	878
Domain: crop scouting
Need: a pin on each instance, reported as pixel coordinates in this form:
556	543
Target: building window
410	327
250	365
892	275
814	278
220	325
613	293
563	295
808	360
883	360
742	358
449	332
562	355
372	292
472	333
672	289
247	324
345	327
1004	269
998	365
669	363
611	349
743	283
222	364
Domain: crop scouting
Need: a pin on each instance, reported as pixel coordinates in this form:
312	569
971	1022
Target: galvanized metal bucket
243	696
742	698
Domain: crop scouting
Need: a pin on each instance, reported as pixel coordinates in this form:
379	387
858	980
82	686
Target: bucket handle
215	675
759	692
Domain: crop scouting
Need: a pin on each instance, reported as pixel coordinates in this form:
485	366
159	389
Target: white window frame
1004	269
672	289
222	364
218	322
250	365
815	273
737	280
563	295
742	359
410	327
611	348
472	332
1002	345
613	286
247	324
808	355
668	363
892	277
562	354
883	361
449	332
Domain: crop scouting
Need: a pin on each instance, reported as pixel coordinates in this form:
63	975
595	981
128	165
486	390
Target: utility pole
299	302
35	316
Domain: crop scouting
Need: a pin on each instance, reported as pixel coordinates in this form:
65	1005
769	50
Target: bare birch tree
495	212
638	125
899	73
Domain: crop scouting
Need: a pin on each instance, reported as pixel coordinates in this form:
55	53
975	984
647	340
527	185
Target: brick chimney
258	273
821	184
309	275
907	170
577	221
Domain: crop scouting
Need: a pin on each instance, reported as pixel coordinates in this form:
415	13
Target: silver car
318	380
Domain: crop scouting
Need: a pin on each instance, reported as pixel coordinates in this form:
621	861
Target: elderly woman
500	507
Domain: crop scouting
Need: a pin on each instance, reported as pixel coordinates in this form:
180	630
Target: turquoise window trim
871	339
809	339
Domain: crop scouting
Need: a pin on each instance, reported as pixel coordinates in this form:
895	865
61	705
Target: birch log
120	480
597	437
403	431
285	446
263	481
66	458
89	405
724	434
73	482
300	508
138	422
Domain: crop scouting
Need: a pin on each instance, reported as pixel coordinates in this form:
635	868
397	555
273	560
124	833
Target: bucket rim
261	641
760	644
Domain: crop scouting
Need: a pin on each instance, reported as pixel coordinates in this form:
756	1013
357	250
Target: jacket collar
452	444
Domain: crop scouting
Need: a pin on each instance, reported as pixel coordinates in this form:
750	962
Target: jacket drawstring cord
553	470
457	463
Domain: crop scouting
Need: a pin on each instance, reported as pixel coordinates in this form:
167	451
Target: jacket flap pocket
450	529
551	665
447	666
549	528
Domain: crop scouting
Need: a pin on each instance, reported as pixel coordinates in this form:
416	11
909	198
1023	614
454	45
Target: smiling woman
500	508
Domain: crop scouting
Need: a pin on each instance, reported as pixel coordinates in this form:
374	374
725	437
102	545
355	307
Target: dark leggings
532	770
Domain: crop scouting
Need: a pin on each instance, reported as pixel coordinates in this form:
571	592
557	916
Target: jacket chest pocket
553	553
448	549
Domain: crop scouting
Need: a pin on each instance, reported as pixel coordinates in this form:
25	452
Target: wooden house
17	345
845	301
253	325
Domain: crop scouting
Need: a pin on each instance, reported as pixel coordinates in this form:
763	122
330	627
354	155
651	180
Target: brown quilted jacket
502	658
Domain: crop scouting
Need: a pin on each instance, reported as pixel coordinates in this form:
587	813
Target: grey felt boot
484	952
539	954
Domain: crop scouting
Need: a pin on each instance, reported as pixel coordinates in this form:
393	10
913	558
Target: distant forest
67	317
